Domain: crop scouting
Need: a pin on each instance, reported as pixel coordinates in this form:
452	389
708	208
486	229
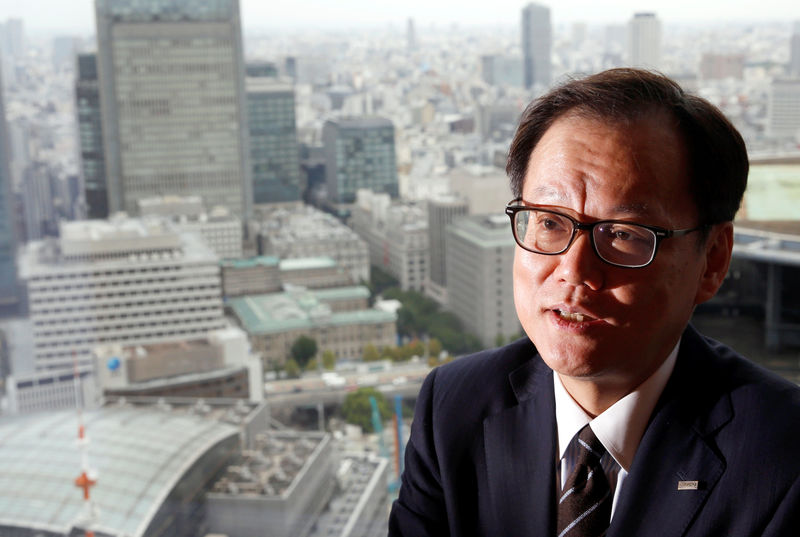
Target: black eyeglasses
618	243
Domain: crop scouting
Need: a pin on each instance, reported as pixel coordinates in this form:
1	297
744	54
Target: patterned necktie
584	508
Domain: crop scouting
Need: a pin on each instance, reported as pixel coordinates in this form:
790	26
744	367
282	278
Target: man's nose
580	265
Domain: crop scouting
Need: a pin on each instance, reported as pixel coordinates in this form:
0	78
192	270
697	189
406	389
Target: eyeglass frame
660	233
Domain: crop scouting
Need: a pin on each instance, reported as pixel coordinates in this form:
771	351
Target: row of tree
421	317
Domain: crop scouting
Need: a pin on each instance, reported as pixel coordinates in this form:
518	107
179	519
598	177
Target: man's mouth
574	317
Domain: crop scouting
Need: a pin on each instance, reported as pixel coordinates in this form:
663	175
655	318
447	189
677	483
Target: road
311	389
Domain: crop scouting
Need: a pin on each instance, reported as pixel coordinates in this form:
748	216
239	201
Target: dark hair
718	162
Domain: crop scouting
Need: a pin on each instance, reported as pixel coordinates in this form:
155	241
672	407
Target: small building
338	319
314	273
218	365
278	487
252	276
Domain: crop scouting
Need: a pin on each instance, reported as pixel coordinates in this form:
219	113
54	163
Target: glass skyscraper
172	94
9	295
359	153
537	39
274	154
90	130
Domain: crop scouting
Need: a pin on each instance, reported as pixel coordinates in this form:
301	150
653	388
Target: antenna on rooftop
88	476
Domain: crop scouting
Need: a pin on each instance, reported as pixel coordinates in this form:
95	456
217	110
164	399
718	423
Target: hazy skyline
78	15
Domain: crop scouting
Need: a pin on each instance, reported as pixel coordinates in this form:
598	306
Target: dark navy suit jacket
482	455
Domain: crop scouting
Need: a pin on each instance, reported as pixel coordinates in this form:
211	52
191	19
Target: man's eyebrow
633	208
550	193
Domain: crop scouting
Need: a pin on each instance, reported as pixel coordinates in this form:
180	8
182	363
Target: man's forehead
551	195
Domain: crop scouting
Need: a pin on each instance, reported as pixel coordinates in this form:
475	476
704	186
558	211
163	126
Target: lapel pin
688	485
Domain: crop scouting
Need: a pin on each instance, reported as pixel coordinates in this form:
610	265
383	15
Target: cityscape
230	252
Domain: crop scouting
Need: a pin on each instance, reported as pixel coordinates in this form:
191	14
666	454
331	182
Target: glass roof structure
139	454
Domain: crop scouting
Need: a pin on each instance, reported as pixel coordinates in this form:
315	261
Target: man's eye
622	235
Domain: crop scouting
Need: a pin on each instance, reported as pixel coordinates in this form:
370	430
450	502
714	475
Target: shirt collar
621	426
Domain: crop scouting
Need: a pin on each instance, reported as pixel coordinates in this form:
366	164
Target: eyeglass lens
618	243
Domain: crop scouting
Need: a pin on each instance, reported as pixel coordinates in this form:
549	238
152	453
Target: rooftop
307	263
271	468
301	309
366	122
259	261
112	252
139	454
484	231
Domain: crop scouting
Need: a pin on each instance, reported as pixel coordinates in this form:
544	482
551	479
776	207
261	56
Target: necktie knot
591	447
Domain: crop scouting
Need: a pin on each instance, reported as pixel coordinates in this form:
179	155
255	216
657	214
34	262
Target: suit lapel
675	448
520	444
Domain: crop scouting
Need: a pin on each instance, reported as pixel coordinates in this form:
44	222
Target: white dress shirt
619	428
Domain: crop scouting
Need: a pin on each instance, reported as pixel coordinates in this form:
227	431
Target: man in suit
614	416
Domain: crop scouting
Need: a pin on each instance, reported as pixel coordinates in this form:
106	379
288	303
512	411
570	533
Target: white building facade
397	236
303	231
123	281
480	291
221	231
644	41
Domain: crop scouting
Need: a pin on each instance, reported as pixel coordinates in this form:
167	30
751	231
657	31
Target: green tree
328	360
434	347
292	369
380	280
392	353
312	365
422	316
358	410
303	349
371	353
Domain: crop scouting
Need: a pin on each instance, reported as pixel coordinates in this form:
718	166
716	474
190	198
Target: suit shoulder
483	377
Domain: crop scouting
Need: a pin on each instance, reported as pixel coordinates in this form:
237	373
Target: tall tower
411	35
274	153
644	41
359	153
171	76
536	44
794	51
9	295
93	163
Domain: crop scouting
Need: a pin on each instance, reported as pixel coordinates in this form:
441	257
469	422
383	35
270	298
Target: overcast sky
78	15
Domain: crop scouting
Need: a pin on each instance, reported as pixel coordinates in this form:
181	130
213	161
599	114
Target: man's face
594	170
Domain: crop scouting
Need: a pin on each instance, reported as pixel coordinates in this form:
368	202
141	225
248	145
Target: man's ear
717	249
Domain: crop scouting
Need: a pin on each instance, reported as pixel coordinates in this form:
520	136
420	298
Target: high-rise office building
794	51
8	239
480	252
359	153
93	165
274	153
397	236
442	211
411	35
172	94
644	41
783	108
537	39
126	281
